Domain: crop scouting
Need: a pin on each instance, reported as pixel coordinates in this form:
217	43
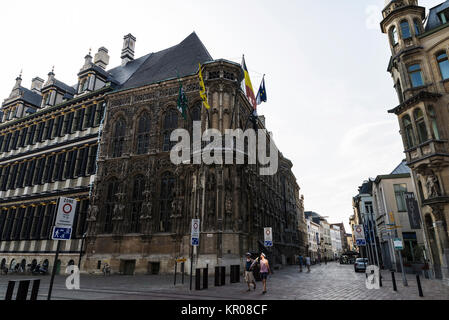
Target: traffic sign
359	235
268	234
63	234
66	212
181	260
361	242
195	236
398	244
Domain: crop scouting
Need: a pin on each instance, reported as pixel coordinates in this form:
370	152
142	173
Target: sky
325	64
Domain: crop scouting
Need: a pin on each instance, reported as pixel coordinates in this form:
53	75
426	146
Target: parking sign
268	234
195	236
66	212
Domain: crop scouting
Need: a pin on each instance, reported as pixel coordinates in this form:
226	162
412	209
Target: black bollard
421	294
176	270
35	289
223	275
232	274
205	278
394	281
10	290
198	279
217	277
22	291
380	279
237	273
182	272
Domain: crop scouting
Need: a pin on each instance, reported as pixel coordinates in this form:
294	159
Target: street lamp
81	249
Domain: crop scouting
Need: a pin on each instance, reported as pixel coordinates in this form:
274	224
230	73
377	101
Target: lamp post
81	249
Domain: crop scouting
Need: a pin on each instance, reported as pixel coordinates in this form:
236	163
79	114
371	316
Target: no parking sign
66	212
268	237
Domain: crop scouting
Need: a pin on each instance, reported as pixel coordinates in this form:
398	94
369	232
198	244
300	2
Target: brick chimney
129	43
102	58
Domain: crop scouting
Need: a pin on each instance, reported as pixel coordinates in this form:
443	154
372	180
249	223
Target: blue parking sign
361	242
268	243
195	241
61	233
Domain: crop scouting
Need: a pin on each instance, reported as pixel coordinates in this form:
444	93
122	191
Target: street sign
63	234
268	233
398	244
181	260
361	242
66	212
359	235
195	232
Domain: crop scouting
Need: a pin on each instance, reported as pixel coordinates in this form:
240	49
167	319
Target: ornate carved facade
420	70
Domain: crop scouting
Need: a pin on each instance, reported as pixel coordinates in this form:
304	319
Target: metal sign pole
54	270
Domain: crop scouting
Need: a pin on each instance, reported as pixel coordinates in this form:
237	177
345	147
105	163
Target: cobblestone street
326	282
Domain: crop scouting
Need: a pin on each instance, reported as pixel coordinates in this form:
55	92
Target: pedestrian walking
301	262
249	276
264	271
308	264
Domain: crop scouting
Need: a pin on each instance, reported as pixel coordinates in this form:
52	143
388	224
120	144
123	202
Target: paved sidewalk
326	282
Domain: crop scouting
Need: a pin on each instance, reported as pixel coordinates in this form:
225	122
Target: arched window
118	138
433	122
408	130
143	134
196	113
443	63
420	125
417	25
111	200
415	74
394	35
170	124
166	199
399	91
405	30
137	200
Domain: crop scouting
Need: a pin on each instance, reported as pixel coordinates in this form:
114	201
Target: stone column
442	236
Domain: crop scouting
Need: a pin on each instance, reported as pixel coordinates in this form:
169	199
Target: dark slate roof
366	188
181	59
66	88
401	168
30	96
433	21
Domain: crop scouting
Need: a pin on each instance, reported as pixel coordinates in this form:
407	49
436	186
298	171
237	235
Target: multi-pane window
118	139
408	130
433	122
170	124
399	193
394	35
417	25
405	29
420	125
91	166
166	199
415	74
443	63
137	200
143	134
111	200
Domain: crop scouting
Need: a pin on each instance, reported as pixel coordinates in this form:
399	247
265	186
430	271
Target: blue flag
262	94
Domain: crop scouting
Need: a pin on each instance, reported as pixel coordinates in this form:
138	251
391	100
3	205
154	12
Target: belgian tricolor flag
249	87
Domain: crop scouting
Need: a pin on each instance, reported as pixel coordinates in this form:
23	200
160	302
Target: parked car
360	264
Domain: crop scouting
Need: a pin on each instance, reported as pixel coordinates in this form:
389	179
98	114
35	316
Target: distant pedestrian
308	264
264	271
249	276
301	262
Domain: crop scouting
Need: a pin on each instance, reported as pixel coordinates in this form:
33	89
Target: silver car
360	264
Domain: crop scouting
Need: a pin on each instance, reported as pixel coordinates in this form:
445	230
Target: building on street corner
420	72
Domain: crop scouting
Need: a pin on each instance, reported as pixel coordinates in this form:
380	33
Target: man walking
301	262
308	264
249	276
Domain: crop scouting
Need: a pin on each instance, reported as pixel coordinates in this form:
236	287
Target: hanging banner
413	211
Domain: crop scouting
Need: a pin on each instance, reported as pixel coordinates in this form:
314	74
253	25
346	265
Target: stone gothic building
419	67
106	142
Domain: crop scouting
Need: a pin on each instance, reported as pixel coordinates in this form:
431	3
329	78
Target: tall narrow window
119	138
420	125
415	75
138	189
399	192
399	91
433	122
143	134
405	29
443	63
166	199
417	25
170	124
408	130
111	199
